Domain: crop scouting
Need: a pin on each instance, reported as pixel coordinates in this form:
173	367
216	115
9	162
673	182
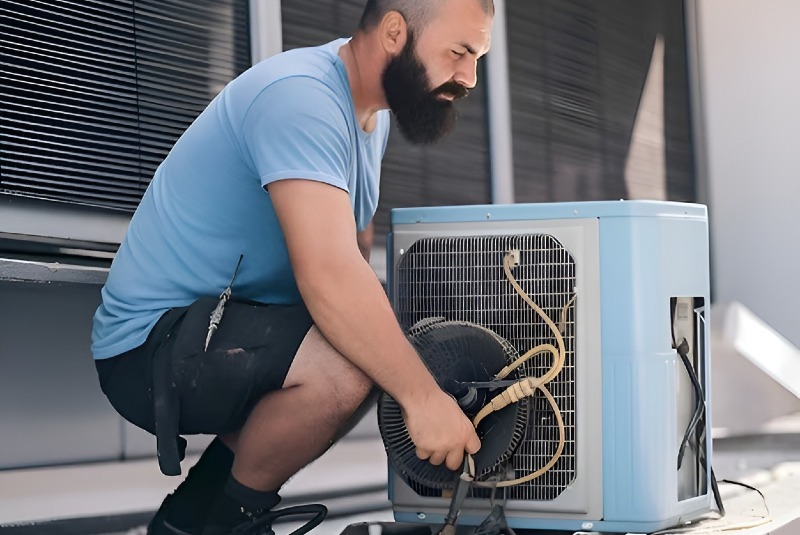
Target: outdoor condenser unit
615	436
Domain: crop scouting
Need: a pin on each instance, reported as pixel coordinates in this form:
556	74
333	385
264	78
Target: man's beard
423	117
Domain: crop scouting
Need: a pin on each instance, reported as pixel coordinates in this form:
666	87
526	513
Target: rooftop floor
113	498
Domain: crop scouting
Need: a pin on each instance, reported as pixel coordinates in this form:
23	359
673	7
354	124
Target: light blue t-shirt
290	116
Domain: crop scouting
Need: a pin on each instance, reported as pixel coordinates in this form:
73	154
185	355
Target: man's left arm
365	240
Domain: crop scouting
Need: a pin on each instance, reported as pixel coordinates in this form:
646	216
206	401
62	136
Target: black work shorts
249	356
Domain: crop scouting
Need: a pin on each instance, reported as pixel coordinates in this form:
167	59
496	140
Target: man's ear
393	32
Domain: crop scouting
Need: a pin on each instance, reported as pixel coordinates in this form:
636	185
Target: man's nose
467	74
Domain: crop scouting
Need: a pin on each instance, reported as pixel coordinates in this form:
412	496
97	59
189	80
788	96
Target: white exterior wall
749	81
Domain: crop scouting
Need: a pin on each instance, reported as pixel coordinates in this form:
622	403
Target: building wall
750	101
748	117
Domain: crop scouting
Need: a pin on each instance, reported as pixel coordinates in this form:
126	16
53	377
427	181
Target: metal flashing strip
47	272
52	220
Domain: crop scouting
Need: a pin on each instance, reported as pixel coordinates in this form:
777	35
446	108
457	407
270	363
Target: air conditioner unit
622	442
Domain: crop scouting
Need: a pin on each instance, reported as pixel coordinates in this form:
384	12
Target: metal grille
93	94
462	278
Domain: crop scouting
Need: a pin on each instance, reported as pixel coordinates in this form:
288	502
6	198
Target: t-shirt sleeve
296	128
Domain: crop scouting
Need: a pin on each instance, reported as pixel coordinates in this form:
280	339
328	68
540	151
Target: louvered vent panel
174	88
94	93
68	99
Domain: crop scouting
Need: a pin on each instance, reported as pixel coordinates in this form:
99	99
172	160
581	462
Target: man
269	194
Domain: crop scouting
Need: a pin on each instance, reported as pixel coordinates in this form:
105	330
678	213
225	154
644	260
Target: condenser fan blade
456	353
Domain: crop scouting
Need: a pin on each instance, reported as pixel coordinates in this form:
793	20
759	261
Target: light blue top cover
290	116
546	211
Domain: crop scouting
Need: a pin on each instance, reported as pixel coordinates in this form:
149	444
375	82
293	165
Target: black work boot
248	523
238	508
183	512
160	523
260	523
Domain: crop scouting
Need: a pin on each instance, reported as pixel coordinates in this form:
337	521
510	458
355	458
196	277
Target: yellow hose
527	387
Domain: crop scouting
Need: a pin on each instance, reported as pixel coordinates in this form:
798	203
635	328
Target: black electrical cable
715	490
700	413
266	520
745	485
494	524
700	406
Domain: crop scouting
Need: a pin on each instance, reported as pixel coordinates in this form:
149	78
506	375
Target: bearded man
241	303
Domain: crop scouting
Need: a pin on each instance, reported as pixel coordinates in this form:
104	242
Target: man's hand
440	430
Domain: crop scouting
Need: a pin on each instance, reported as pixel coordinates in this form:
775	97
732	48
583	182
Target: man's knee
351	390
369	402
338	383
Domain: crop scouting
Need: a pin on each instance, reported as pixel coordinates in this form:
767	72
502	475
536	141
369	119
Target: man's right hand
440	430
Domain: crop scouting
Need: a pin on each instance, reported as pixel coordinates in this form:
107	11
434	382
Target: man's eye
457	53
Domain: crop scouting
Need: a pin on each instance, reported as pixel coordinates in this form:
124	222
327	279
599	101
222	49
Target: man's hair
416	12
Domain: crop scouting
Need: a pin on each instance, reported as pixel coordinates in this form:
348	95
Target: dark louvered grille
94	94
68	98
577	72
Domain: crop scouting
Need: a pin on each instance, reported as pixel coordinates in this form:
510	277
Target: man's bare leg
291	427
